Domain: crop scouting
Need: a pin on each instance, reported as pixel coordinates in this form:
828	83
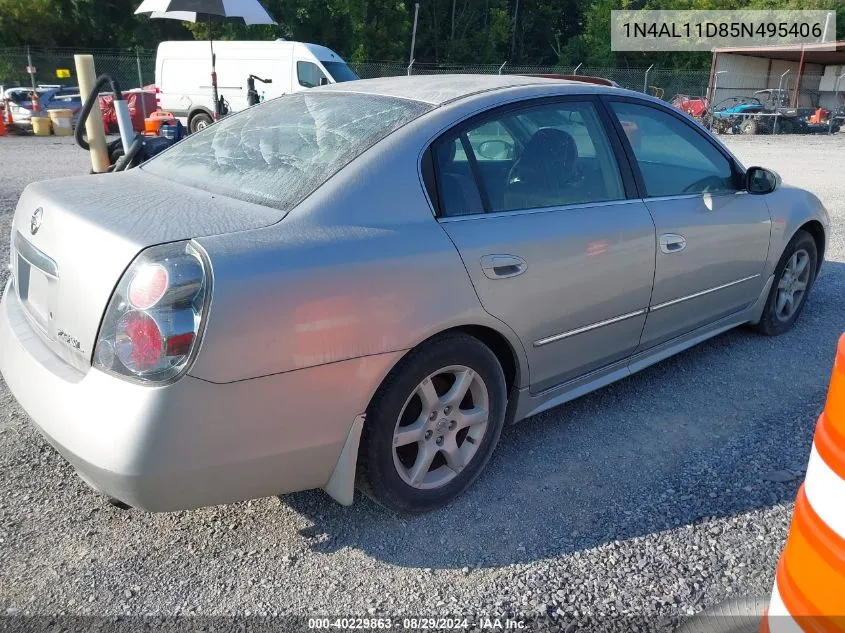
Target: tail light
153	323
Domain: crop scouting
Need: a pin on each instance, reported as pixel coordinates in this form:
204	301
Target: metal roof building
813	74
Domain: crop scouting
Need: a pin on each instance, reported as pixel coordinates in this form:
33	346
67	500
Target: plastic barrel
62	121
40	125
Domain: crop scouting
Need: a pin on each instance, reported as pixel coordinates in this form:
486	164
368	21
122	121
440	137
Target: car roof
440	89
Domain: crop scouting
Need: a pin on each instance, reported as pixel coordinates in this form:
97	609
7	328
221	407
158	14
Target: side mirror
324	81
760	180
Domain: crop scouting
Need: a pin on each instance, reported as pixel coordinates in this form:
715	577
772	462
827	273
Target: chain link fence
658	82
130	69
137	68
133	69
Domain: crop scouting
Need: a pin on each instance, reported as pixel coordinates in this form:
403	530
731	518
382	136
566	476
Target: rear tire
794	277
432	425
199	121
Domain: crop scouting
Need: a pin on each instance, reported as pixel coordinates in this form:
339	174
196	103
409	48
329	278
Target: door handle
672	243
502	266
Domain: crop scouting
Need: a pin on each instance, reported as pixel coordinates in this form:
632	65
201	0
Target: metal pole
502	67
715	88
214	95
780	81
835	102
141	84
826	23
645	81
575	72
411	66
30	68
795	93
414	36
777	109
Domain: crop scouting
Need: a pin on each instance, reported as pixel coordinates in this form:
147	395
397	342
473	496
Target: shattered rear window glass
279	152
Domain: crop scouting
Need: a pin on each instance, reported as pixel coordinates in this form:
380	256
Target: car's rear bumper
191	443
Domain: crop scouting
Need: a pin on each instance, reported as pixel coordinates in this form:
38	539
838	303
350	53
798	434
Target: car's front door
712	236
557	246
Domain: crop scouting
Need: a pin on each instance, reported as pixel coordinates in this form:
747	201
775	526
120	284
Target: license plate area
34	290
36	279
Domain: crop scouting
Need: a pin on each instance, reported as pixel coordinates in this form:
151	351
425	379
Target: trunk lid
68	257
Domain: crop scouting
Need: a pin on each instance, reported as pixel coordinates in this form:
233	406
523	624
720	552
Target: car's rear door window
278	152
673	158
538	156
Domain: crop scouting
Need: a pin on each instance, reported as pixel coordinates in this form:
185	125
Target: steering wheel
704	185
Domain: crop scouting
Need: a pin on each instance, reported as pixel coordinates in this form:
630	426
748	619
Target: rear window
279	152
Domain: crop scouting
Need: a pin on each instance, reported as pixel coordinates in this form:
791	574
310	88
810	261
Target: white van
183	74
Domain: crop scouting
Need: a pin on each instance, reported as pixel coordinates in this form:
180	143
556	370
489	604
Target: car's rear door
552	233
712	236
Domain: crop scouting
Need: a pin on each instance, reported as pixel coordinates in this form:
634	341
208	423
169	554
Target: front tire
432	425
794	277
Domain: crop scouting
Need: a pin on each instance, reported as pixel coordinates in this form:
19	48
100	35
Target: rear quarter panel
359	268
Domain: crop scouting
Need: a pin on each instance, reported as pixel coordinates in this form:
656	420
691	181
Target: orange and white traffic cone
809	591
8	112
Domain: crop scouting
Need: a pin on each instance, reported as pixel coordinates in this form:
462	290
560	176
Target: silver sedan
361	284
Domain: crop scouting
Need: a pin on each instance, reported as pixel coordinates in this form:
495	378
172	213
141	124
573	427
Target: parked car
49	98
365	282
183	74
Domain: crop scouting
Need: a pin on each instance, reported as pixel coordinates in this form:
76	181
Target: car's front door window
674	159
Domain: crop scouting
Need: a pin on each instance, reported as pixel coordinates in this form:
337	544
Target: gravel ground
656	497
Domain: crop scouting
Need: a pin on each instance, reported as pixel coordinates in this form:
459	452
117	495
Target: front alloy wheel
794	277
793	285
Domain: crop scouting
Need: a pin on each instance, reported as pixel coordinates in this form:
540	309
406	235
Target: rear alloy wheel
199	121
441	427
794	278
433	425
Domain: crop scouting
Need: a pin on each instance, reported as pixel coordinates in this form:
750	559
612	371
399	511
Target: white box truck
183	74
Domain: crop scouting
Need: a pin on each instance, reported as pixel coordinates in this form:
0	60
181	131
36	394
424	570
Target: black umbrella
234	11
